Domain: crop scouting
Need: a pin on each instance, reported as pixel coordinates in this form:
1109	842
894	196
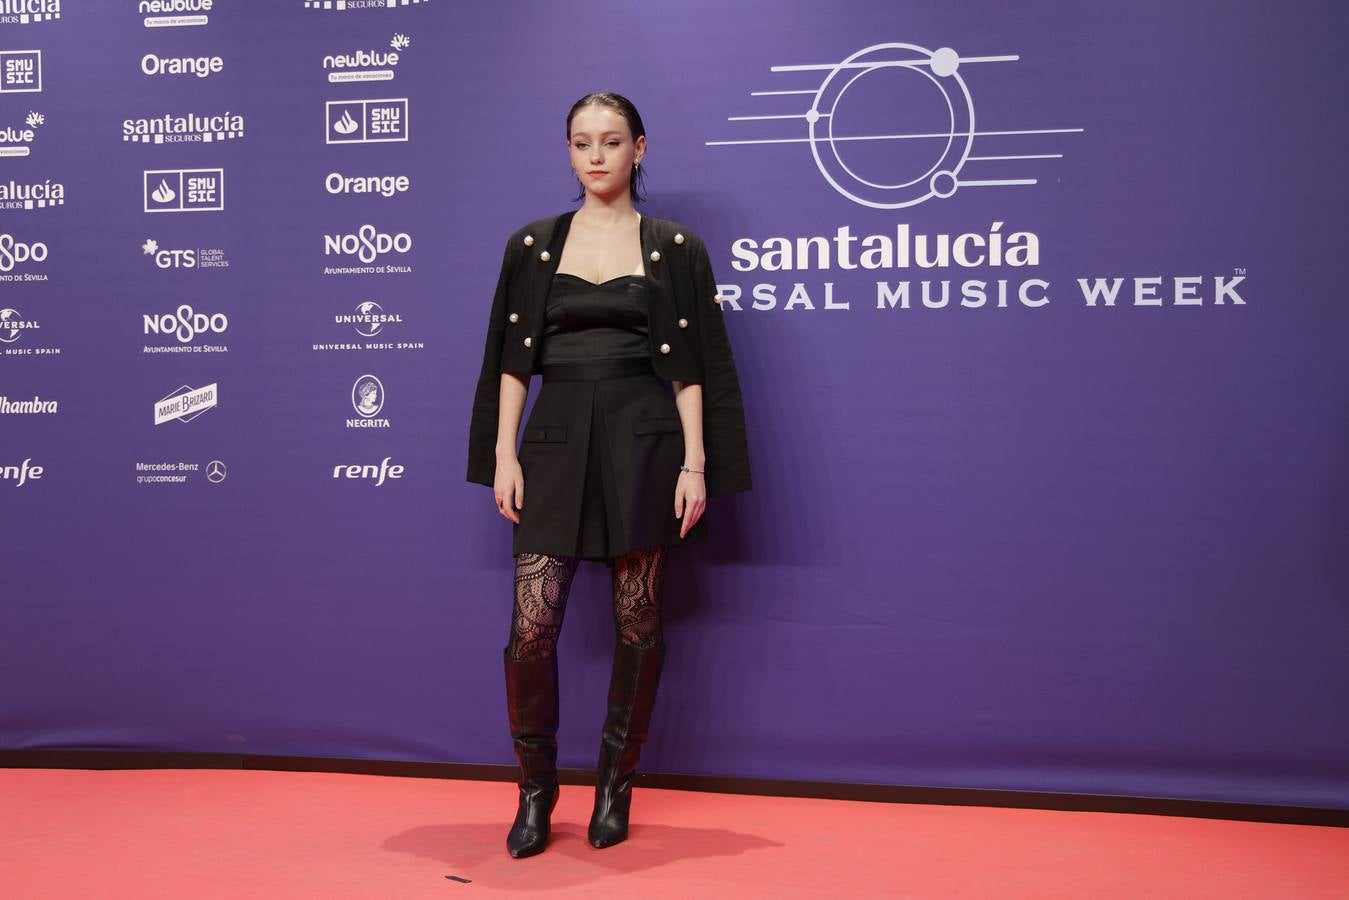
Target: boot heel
632	696
532	708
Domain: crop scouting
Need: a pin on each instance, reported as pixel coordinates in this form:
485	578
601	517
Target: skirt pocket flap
657	425
548	433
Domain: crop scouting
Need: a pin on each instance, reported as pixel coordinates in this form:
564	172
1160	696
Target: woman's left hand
690	500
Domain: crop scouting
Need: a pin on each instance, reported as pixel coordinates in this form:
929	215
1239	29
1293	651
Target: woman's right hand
509	488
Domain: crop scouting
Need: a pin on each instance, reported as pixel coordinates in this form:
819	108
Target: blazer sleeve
727	469
482	429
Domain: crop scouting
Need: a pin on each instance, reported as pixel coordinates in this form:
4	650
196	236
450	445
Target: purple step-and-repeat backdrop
1038	320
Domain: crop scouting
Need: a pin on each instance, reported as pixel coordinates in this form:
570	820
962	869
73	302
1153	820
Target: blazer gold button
529	240
679	239
528	342
515	317
543	257
655	256
664	348
683	323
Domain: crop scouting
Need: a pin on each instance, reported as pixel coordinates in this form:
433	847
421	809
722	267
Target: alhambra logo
893	125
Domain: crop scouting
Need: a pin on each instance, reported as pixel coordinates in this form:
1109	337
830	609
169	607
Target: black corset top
584	320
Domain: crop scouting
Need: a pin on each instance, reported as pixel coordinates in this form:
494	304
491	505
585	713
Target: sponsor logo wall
1036	319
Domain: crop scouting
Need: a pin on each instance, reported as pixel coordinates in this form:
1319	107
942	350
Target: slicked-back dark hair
623	106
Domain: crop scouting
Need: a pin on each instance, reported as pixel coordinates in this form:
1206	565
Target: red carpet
243	833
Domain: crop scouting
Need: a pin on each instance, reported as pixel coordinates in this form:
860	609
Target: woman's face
602	150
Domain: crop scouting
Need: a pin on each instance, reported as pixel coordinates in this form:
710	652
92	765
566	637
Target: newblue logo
175	13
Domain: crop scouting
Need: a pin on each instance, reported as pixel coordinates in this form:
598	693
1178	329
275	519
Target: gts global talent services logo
175	13
26	12
366	65
184	257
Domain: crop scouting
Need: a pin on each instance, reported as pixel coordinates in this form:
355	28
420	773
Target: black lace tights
543	583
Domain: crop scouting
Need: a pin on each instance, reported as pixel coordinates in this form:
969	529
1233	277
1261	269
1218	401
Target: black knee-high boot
532	705
632	695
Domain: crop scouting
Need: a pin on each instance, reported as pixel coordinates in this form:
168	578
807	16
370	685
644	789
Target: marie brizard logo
186	403
893	125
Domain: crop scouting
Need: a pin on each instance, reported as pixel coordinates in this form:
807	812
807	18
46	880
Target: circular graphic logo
921	107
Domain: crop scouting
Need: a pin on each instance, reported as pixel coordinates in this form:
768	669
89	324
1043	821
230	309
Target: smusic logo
366	121
20	72
184	190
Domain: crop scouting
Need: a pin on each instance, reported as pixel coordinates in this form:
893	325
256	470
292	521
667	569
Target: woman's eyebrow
587	134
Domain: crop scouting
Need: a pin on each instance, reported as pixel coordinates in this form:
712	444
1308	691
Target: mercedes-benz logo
215	471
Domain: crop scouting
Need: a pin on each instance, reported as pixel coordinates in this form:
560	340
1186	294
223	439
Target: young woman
620	315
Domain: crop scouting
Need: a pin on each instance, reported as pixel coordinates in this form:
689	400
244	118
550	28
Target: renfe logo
21	473
370	471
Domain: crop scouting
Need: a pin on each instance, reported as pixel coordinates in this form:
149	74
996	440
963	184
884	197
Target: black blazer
688	339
